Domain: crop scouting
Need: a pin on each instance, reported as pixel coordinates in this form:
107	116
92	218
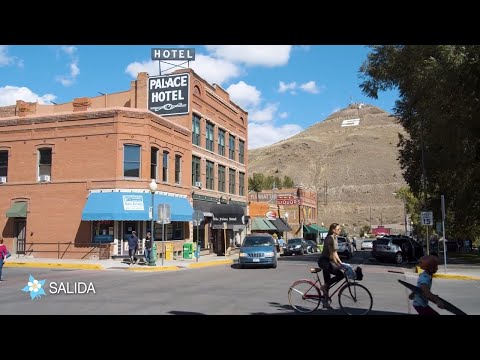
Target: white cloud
6	59
283	115
265	114
215	71
244	95
310	87
74	70
283	87
70	50
252	55
266	134
149	66
10	94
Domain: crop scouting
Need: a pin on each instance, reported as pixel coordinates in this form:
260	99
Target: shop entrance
127	228
20	235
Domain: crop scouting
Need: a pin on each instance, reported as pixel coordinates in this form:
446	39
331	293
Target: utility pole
424	180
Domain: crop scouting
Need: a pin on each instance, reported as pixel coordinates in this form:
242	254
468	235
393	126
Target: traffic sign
427	218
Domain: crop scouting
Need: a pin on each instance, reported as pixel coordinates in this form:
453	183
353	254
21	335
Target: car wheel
398	258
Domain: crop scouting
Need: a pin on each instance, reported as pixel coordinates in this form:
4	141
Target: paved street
222	289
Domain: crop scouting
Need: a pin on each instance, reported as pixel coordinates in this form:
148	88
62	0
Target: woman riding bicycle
329	261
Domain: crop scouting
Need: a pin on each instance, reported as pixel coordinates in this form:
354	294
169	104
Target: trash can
187	250
168	251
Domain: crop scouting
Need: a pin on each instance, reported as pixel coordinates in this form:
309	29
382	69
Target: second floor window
178	163
3	163
221	178
241	151
241	184
210	175
196	130
231	181
153	163
45	162
165	167
195	170
221	142
131	160
231	145
209	136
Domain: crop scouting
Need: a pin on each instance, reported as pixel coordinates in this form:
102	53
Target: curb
210	263
449	276
54	265
155	268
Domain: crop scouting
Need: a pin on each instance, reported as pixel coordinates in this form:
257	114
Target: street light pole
153	187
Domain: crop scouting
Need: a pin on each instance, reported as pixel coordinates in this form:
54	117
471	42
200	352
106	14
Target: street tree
439	108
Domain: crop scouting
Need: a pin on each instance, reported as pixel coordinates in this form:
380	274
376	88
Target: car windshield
341	240
294	242
258	241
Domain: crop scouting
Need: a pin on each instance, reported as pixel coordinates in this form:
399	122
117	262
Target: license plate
256	260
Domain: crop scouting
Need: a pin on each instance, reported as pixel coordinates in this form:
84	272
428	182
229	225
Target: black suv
398	248
295	246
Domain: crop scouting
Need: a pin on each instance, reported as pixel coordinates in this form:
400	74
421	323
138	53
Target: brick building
76	175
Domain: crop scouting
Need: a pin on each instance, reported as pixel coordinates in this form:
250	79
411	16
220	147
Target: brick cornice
92	114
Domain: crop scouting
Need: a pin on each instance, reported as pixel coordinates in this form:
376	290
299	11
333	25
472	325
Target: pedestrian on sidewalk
3	256
148	247
429	264
132	246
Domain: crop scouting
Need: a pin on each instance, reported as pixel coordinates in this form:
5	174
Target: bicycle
354	299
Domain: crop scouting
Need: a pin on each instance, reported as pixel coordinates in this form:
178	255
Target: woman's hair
332	227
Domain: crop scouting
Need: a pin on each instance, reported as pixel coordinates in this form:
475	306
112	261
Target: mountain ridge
359	164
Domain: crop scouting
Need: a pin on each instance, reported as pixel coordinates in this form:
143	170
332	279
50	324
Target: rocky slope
359	164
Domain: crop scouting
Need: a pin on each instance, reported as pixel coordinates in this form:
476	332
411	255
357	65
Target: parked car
295	246
312	246
345	247
397	248
367	244
258	249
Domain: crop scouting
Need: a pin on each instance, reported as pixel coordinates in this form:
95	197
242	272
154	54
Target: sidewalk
110	264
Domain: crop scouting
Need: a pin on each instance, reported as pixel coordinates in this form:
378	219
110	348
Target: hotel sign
187	54
169	94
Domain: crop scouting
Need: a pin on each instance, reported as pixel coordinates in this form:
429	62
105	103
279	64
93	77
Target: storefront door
20	235
128	227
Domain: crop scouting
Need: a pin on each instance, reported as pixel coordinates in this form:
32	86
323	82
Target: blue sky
284	88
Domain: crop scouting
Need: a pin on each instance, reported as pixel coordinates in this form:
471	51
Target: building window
221	178
165	167
44	163
231	181
102	231
3	163
195	170
209	136
231	146
178	163
153	163
195	130
221	142
241	151
131	161
210	175
241	184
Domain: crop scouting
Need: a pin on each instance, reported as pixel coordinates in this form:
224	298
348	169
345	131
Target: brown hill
359	164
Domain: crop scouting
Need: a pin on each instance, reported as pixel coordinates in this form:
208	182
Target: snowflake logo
34	287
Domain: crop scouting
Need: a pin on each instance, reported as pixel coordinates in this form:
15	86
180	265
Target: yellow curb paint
450	276
210	263
162	268
54	265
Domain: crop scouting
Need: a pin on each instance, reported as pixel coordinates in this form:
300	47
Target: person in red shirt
3	256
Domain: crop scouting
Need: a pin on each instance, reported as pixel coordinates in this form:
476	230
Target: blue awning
133	206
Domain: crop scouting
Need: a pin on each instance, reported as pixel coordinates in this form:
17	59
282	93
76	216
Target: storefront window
102	231
173	231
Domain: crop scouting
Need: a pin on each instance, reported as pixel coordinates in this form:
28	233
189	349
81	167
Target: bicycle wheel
355	299
304	296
